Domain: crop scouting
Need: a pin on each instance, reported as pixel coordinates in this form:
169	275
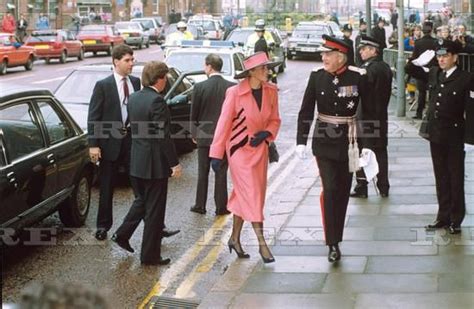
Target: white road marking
45	81
16	77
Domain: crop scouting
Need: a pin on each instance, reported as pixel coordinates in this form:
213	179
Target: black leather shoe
122	243
101	234
222	212
437	225
334	253
161	261
198	210
454	229
384	193
169	233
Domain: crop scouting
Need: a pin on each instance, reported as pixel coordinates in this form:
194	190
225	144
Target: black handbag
273	155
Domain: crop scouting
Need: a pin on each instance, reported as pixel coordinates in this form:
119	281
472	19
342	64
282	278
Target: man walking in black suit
109	130
374	115
208	97
427	42
153	161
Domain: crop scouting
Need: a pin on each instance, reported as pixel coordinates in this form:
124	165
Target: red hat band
334	45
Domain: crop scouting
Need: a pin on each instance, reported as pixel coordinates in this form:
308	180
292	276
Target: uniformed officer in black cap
378	33
373	125
451	97
347	31
362	31
335	89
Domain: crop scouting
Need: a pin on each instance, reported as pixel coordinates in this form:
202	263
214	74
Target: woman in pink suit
248	122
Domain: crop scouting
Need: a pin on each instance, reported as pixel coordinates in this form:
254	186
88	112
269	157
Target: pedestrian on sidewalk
208	97
21	26
249	121
8	23
336	90
447	129
374	115
153	160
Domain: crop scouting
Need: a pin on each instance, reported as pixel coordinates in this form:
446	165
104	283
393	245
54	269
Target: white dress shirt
123	102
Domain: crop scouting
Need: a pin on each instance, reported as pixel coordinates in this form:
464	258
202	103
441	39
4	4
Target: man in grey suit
109	130
153	160
208	97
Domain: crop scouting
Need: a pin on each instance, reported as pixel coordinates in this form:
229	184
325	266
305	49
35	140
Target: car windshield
77	88
207	25
122	26
146	23
92	30
42	37
186	62
309	32
239	36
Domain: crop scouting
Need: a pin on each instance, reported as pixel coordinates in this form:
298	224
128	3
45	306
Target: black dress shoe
334	253
101	234
161	261
384	193
359	192
437	225
198	210
454	229
169	233
122	243
222	212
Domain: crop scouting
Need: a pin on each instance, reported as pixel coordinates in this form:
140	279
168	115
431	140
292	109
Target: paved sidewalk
388	260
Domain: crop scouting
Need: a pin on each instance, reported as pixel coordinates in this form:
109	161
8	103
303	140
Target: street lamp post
400	63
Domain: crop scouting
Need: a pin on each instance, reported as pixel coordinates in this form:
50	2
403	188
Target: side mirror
179	99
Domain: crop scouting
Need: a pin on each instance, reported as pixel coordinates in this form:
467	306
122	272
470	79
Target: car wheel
3	67
73	211
94	53
148	44
63	57
29	64
81	55
290	56
140	46
109	51
47	60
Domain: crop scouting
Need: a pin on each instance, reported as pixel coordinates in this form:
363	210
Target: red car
13	53
55	44
97	38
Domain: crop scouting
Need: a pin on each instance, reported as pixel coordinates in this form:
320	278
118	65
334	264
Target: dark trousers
382	177
336	181
422	87
220	187
149	205
448	165
107	176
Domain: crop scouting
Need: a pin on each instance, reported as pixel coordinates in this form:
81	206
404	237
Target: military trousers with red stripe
336	181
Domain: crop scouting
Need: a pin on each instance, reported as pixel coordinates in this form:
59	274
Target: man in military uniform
347	31
451	97
374	127
335	89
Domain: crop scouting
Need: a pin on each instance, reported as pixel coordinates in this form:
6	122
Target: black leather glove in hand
216	164
259	138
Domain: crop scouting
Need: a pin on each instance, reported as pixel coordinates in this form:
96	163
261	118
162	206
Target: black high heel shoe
241	254
266	260
334	253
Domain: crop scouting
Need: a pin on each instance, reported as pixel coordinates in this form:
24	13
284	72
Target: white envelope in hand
468	148
424	58
368	161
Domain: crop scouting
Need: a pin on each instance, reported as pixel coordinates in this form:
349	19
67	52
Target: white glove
424	58
468	148
301	151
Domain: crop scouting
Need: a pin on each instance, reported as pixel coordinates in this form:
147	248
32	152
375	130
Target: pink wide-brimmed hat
256	60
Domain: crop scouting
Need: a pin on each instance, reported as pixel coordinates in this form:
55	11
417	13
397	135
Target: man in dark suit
109	130
208	97
427	42
347	31
374	115
153	161
450	114
378	33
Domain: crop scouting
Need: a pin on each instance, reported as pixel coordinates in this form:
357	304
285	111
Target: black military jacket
451	100
335	95
373	121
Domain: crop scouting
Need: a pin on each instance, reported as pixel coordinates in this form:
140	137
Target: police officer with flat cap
374	115
335	89
450	114
347	31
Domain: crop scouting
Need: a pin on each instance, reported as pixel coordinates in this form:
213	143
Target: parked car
76	90
44	160
55	44
133	33
14	54
96	38
192	58
211	27
154	28
307	39
240	35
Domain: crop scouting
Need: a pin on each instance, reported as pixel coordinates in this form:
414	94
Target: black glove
258	138
216	164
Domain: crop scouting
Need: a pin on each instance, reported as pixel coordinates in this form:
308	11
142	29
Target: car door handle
50	158
12	179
